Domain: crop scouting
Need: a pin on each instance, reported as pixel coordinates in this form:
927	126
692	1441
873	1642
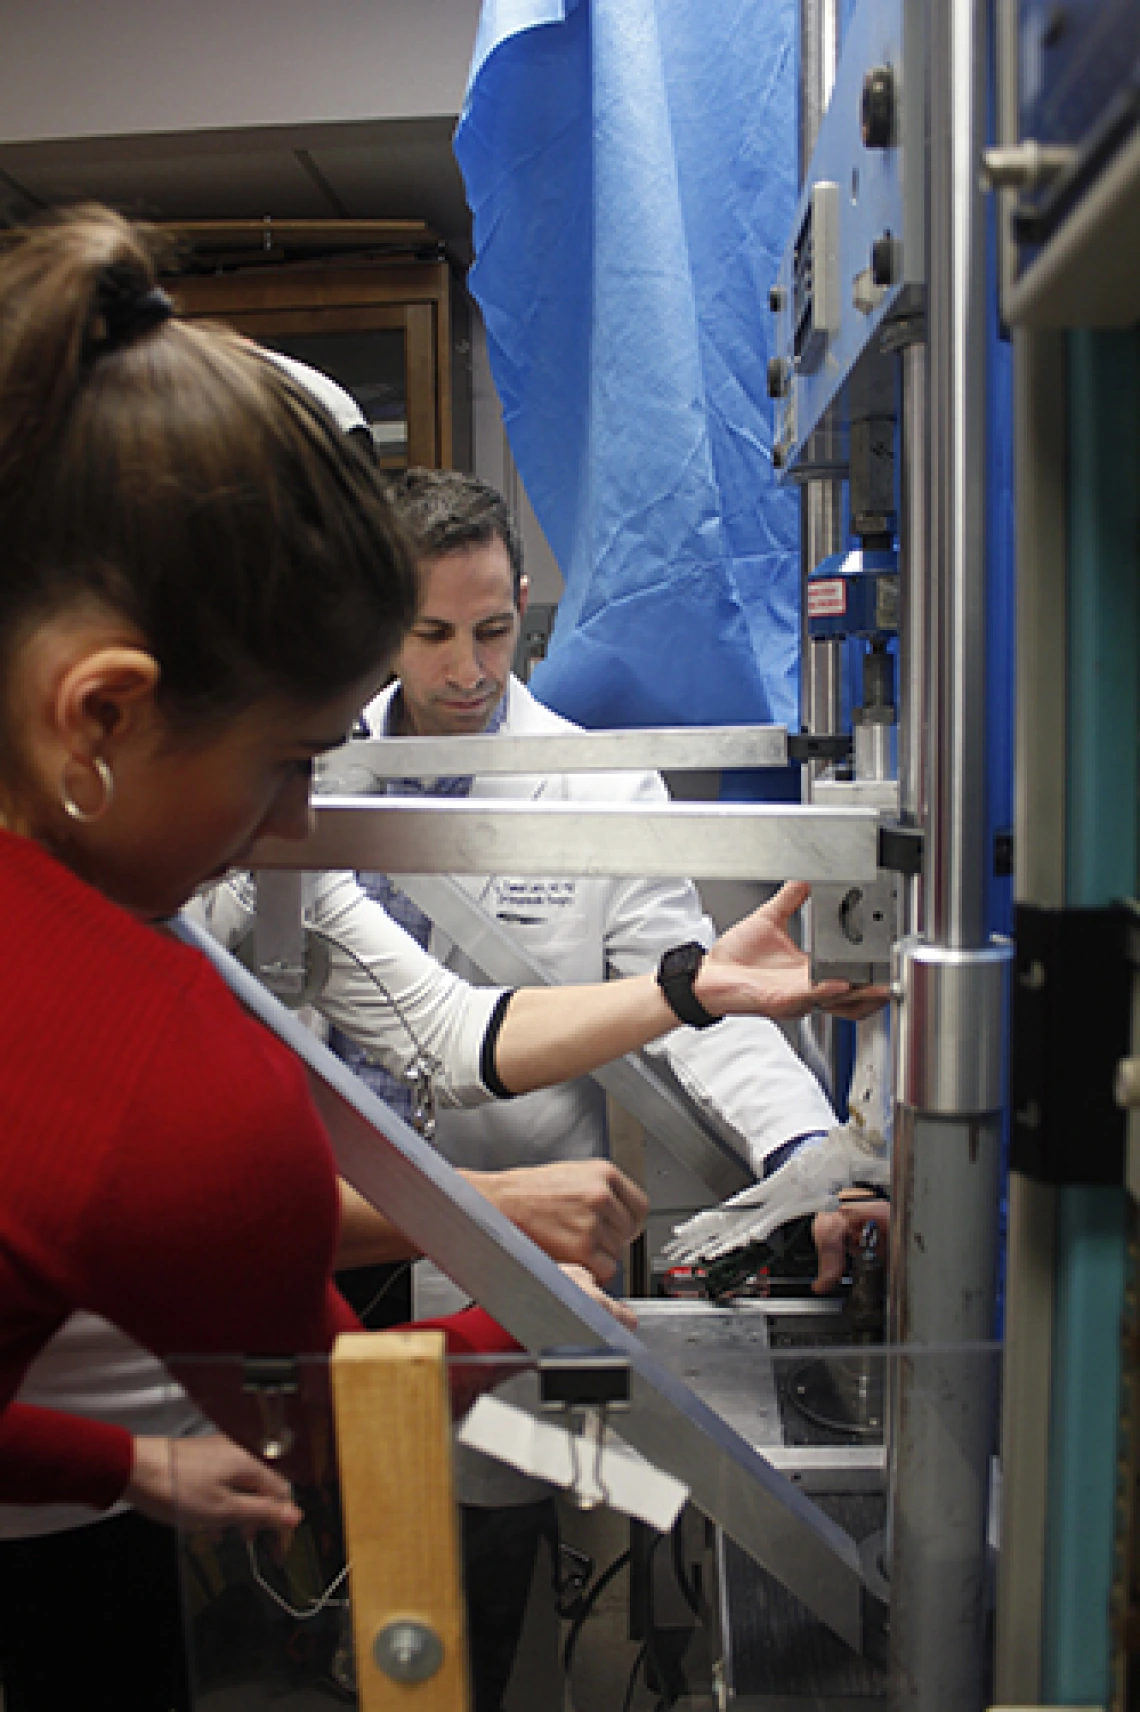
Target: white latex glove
855	1152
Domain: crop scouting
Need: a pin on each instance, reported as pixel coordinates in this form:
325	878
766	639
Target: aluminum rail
358	765
720	841
400	1175
633	1082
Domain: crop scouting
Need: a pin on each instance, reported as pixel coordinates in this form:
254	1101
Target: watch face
681	960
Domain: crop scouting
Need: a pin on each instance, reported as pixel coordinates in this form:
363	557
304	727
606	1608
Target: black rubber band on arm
488	1073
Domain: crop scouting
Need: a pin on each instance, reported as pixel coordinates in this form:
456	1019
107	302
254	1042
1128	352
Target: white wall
90	68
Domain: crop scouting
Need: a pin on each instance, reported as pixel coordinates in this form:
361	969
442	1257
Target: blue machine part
856	251
854	594
631	167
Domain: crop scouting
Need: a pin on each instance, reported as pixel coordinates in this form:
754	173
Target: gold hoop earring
106	780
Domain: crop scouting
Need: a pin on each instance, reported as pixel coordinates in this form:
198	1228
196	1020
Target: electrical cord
589	1600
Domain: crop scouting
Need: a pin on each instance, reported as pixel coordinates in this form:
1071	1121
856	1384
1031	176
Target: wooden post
393	1427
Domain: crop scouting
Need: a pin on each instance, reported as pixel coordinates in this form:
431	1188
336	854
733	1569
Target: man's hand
757	969
209	1483
837	1234
582	1212
621	1311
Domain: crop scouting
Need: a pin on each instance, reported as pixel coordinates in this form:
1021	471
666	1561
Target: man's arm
582	1212
743	1075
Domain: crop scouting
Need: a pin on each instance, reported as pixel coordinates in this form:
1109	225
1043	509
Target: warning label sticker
827	598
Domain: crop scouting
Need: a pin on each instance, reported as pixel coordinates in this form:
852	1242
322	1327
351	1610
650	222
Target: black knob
778	376
877	114
776	295
884	260
779	454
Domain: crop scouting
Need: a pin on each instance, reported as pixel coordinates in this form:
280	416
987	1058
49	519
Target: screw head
776	298
884	260
877	108
778	377
408	1650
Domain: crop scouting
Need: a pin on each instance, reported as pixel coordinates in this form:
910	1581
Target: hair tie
120	312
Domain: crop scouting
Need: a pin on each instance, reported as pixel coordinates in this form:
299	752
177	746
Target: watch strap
676	973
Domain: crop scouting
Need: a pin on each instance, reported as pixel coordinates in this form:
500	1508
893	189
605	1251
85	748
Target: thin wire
429	1064
401	1271
317	1605
642	1658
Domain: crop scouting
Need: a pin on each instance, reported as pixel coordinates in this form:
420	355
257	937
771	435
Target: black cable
688	1592
400	1271
641	1659
589	1600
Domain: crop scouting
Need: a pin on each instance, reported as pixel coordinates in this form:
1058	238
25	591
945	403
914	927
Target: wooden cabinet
381	329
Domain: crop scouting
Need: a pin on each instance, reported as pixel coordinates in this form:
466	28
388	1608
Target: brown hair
171	472
443	510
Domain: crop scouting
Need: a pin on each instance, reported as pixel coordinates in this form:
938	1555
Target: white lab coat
585	929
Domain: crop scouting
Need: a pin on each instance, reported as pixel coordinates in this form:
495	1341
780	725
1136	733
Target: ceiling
374	169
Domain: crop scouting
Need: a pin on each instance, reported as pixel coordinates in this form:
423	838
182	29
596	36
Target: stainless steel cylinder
944	1409
957	323
949	1035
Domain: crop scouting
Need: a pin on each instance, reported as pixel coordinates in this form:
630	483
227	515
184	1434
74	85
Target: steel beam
359	766
715	841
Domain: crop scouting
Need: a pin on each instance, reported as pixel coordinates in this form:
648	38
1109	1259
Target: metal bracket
1071	1027
900	849
819	746
272	1378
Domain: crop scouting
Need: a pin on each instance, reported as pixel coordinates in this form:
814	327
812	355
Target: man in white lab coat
455	678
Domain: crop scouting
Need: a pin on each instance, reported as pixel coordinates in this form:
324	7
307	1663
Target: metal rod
914	485
947	1146
819	56
821	502
957	322
945	1207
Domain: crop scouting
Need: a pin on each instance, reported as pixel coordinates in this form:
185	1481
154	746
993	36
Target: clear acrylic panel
573	1601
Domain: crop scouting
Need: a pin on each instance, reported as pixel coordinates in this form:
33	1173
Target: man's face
456	659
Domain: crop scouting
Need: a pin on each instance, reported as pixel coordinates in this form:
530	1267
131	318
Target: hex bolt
778	377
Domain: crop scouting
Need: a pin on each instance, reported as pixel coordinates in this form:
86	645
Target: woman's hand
209	1483
757	969
621	1311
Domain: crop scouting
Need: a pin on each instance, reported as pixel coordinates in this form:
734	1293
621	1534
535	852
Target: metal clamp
272	1378
949	1038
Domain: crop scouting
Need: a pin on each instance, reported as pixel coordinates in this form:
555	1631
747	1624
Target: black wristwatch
676	973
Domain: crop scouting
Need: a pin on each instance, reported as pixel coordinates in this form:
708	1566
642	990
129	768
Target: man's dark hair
442	510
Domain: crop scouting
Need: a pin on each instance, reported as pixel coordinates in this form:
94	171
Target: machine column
949	982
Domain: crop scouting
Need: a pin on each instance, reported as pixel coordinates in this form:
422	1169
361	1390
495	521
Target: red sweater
161	1164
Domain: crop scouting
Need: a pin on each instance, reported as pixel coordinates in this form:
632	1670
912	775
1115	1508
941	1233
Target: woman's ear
104	694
